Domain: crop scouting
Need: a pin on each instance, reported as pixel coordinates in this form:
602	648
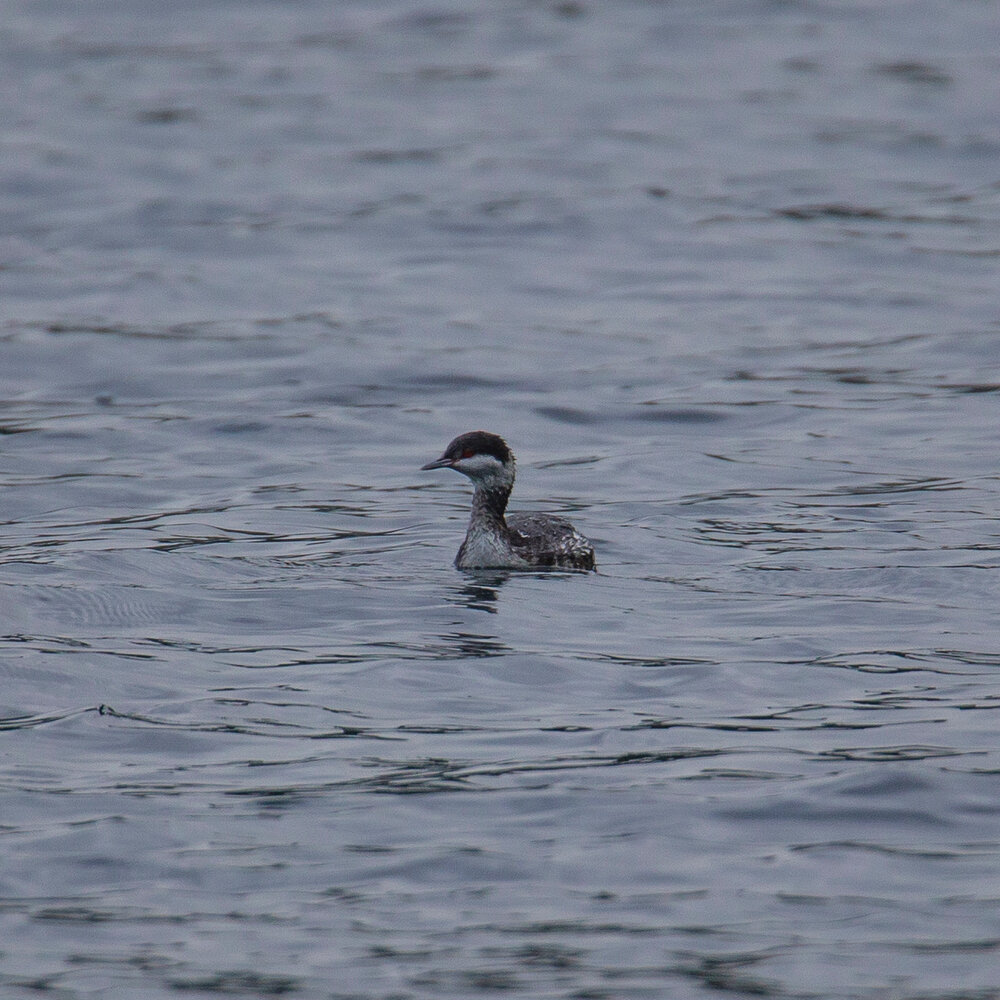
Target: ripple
16	722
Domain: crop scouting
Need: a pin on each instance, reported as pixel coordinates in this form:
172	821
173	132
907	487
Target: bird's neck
490	501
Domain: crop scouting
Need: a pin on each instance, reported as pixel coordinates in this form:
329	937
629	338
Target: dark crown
479	443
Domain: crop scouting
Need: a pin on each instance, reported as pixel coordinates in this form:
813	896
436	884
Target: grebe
529	540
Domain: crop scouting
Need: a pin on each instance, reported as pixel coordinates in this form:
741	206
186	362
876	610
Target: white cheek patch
480	466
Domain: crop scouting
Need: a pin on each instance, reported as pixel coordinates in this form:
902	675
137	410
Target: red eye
468	453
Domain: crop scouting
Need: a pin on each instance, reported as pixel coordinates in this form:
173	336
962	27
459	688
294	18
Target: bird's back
549	540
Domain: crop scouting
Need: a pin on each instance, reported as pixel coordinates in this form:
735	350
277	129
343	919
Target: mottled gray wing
549	540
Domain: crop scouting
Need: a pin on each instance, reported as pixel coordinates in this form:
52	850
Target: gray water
725	276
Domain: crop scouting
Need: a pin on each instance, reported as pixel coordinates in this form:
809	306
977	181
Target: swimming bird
527	540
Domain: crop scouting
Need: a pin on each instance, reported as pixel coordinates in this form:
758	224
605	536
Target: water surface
725	278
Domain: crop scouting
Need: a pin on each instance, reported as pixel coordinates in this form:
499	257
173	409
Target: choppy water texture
725	276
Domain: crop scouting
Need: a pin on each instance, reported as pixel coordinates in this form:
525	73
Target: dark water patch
546	956
809	212
79	45
16	427
391	157
78	914
196	330
166	116
973	388
477	980
563	462
914	71
866	213
553	927
845	376
916	485
569	415
375	207
455	73
728	974
960	947
242	427
147	961
655	412
238	983
443	24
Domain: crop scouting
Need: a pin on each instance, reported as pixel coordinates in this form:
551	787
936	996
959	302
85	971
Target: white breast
486	549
